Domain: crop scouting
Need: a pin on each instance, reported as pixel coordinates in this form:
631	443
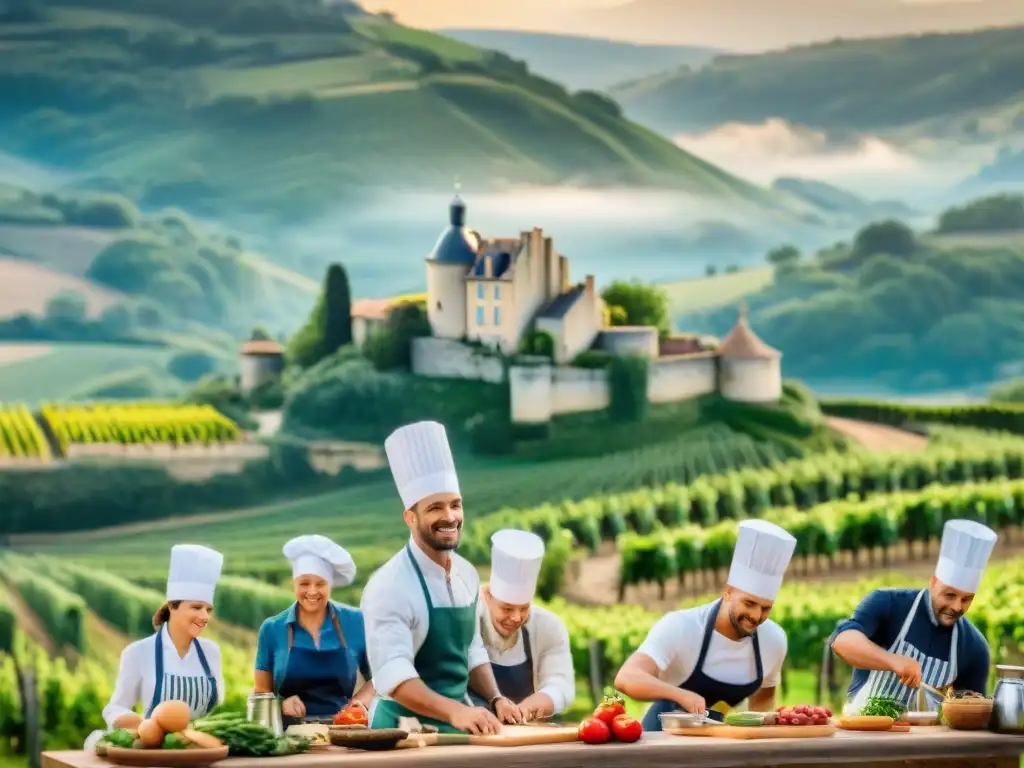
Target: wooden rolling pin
511	736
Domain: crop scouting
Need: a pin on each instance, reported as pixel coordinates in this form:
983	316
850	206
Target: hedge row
827	529
61	611
994	416
801	484
8	622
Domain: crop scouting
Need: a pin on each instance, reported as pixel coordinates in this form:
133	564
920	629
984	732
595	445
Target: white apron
937	674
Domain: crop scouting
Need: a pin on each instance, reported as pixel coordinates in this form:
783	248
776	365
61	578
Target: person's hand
477	720
907	670
507	712
293	707
536	707
692	703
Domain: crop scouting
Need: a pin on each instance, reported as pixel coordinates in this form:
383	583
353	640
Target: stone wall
451	359
540	392
672	379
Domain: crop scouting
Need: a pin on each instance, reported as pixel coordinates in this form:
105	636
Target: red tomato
626	728
609	709
594	731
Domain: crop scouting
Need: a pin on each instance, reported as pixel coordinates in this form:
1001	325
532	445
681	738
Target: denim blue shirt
880	616
272	646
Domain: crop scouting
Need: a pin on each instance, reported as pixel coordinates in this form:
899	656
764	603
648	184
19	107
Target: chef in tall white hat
420	607
899	638
710	658
312	653
528	645
175	662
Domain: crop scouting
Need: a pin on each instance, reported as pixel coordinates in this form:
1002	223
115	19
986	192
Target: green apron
442	662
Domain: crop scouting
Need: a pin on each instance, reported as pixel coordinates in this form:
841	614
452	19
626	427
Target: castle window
479	315
480	290
497	291
497	315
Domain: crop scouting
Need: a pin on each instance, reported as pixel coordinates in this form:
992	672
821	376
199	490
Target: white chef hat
516	558
966	547
319	556
421	461
194	573
759	561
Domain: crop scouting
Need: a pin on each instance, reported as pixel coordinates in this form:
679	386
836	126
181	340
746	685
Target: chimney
488	265
563	266
590	284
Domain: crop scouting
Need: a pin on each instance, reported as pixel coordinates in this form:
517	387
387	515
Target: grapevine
138	424
20	435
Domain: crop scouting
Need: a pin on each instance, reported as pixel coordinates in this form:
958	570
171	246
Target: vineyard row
799	484
853	526
23	435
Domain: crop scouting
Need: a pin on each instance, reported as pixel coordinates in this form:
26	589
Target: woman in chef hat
175	663
310	654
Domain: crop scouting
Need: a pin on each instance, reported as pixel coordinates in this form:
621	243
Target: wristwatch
492	704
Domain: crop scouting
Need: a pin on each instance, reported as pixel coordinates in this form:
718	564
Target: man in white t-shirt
716	655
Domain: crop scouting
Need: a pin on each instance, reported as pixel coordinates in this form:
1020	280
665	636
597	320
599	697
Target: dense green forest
898	307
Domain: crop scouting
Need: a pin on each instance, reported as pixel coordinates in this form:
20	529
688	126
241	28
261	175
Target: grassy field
26	288
705	293
31	373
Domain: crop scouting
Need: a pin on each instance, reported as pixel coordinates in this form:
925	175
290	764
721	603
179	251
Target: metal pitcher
265	709
1008	700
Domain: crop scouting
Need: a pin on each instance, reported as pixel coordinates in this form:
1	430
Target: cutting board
510	736
760	732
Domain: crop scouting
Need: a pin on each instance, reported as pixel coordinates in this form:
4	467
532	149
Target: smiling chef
175	662
420	608
899	638
528	645
716	655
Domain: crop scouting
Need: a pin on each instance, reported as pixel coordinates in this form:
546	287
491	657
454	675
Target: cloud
866	164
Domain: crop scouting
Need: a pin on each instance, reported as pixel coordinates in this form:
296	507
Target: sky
769	23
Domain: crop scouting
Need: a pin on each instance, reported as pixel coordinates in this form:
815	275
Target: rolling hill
969	86
585	62
784	22
288	109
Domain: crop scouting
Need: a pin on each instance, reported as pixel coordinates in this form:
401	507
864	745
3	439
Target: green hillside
584	62
967	85
288	108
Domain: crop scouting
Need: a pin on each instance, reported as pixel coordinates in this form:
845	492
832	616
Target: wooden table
921	748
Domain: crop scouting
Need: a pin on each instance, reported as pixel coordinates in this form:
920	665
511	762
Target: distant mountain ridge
585	62
959	82
781	23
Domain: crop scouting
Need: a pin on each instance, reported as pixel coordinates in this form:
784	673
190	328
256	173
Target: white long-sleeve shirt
553	672
395	614
184	678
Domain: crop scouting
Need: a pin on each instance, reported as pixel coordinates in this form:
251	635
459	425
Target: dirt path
595	581
878	437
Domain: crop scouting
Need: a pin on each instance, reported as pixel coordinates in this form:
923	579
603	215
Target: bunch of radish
803	714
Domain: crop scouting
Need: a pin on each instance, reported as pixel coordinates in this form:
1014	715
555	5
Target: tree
643	304
66	308
891	236
337	309
784	255
329	323
259	333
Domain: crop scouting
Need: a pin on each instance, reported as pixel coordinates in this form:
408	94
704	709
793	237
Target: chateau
498	291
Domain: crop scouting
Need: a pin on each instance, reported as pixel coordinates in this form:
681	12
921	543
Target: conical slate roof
458	244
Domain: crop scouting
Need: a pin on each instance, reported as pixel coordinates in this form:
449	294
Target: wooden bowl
967	714
165	758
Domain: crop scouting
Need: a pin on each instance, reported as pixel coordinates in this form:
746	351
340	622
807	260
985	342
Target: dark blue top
272	645
880	617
